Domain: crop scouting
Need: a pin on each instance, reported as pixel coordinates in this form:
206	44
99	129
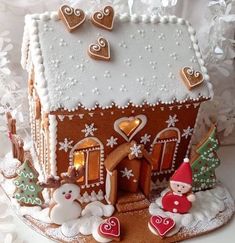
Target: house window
87	153
164	149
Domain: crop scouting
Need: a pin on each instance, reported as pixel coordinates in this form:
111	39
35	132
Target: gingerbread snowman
65	205
179	199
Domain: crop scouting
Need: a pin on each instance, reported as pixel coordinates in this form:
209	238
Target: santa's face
179	187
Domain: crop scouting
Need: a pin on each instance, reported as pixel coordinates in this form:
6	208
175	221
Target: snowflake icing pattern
89	130
66	145
171	121
136	150
187	132
111	142
145	139
127	173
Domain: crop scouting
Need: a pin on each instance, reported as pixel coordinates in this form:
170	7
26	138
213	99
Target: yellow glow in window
79	159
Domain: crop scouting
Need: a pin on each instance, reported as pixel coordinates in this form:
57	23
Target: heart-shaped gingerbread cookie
104	18
160	225
191	77
110	228
100	51
72	18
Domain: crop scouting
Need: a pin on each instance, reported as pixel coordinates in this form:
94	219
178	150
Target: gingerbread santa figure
180	198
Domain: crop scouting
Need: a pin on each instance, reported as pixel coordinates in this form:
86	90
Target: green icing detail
204	165
27	190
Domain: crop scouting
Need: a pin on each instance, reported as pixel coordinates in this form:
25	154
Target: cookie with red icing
180	198
110	229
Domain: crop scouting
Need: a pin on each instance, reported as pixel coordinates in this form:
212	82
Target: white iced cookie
66	208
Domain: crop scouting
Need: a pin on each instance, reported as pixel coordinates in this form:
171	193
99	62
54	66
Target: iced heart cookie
100	51
191	77
110	229
72	18
161	225
104	18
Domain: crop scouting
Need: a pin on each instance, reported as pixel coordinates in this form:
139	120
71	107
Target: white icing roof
146	57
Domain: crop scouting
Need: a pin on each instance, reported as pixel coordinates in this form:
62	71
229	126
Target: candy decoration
100	51
161	225
191	77
205	162
72	18
110	228
28	193
104	18
180	198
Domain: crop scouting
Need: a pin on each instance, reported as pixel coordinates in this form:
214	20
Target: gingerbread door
129	175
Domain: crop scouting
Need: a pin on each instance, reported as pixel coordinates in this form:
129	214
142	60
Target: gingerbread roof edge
147	53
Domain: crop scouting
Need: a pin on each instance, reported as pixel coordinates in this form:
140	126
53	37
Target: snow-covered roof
147	54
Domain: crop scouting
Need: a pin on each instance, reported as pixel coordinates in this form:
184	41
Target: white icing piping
187	155
53	142
86	198
38	60
164	141
101	149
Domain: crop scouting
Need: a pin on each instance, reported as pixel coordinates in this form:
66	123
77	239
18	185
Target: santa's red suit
174	201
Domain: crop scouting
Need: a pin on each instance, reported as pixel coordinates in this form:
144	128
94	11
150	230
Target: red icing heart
110	228
162	225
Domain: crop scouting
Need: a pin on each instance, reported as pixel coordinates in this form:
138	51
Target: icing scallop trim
31	30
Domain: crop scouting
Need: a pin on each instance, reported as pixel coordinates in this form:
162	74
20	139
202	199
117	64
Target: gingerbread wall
74	127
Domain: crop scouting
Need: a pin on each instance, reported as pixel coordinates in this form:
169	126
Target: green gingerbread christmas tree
205	162
28	192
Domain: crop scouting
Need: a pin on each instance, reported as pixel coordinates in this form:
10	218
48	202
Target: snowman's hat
183	174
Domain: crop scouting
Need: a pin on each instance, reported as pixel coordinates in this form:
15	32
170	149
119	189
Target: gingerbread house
128	120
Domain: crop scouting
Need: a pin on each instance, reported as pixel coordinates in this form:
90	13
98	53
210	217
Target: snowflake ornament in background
7	226
217	45
12	96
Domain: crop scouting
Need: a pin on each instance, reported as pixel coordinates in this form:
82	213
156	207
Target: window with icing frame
164	149
87	153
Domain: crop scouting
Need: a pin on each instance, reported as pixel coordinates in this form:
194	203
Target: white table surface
226	173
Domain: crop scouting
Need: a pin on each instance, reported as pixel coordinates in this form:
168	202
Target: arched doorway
164	149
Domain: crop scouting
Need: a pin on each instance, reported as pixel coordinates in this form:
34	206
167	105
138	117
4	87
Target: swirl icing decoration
28	192
71	17
110	228
160	225
191	77
101	50
104	18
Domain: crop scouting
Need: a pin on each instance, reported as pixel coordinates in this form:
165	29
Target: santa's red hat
184	173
